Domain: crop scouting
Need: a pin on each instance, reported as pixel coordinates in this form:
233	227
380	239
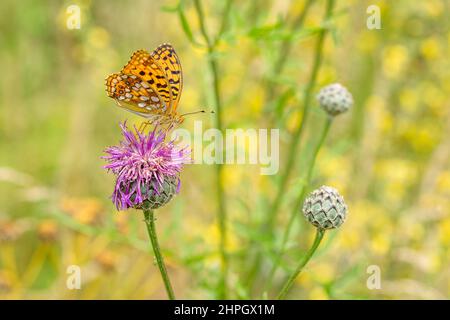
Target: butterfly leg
118	103
143	126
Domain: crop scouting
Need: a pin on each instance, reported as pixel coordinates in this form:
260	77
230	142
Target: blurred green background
389	156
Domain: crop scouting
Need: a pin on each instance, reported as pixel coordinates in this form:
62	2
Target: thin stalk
273	209
222	213
285	50
306	107
287	286
224	24
286	45
214	69
150	222
298	203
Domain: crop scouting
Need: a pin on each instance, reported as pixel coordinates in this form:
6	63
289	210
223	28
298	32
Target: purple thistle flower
144	165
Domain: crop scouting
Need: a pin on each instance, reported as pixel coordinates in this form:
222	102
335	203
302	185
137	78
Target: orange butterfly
150	85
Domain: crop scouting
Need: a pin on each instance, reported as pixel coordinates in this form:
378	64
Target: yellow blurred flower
326	75
305	280
256	100
431	48
85	210
395	60
412	230
435	262
336	170
433	8
444	232
409	99
107	260
212	238
421	138
323	272
121	221
98	37
349	239
381	224
368	41
48	230
376	106
380	243
10	230
443	182
396	175
232	176
435	98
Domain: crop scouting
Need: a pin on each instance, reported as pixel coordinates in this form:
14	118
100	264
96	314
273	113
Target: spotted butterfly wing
135	95
166	57
144	66
149	85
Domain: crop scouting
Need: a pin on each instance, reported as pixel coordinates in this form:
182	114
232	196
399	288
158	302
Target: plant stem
286	46
214	69
298	203
303	262
222	214
306	106
150	222
273	209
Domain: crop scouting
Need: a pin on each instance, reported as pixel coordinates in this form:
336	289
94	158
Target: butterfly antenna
195	112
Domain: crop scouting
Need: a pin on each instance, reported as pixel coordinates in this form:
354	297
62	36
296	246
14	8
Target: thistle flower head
335	99
325	208
147	168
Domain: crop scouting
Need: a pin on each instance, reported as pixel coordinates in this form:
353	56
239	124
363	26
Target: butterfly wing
149	85
142	65
166	57
134	94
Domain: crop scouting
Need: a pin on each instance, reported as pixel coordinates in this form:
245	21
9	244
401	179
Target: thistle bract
147	168
166	191
325	208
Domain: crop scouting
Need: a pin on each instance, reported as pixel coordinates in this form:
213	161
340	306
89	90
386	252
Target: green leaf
185	25
170	9
264	31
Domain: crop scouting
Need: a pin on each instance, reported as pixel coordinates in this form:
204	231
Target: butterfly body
149	85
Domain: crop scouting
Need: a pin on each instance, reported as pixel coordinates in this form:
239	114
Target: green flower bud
166	192
325	208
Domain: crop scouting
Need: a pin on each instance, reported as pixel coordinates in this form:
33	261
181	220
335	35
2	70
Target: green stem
300	198
286	45
224	24
306	107
150	222
214	69
285	49
273	209
303	262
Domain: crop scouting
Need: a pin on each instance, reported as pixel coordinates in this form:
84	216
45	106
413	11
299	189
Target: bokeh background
389	156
